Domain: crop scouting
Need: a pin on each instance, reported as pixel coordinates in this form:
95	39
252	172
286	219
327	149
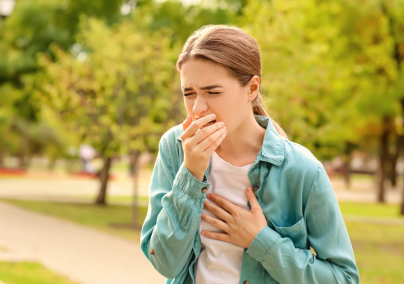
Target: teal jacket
296	197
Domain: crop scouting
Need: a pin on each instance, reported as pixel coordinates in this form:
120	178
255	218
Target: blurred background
87	88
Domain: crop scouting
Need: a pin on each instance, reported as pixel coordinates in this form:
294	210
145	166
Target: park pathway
79	253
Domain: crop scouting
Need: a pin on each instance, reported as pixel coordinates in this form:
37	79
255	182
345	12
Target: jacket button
255	188
151	251
204	190
246	282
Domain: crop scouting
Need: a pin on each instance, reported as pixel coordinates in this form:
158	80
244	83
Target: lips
209	123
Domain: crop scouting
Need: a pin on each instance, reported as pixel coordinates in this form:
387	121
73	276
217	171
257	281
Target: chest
229	181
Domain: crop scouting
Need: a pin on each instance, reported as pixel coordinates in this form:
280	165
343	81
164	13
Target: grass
124	198
98	217
370	210
379	249
29	272
362	177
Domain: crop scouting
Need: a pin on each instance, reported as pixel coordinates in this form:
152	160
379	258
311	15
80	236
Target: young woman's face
208	88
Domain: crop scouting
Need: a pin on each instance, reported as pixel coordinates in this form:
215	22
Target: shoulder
300	165
170	136
170	150
299	156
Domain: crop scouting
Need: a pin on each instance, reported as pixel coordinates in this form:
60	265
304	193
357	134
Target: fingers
215	222
196	125
252	199
219	212
187	122
211	137
217	236
210	149
228	207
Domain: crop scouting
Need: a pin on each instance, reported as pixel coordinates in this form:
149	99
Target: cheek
234	112
188	105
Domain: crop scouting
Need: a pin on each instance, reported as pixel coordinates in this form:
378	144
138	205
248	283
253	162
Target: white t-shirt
220	261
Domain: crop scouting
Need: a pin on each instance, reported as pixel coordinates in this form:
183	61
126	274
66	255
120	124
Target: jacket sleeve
327	235
173	216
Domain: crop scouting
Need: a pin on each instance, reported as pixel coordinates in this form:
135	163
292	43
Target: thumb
187	122
252	198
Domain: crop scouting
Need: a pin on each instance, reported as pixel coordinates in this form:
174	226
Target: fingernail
213	115
249	189
208	195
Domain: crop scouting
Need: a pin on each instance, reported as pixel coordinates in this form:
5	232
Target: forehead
199	73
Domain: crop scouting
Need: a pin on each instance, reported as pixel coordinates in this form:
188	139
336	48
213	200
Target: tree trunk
346	161
383	155
393	171
104	174
51	164
397	56
393	160
346	171
28	160
22	155
402	204
134	160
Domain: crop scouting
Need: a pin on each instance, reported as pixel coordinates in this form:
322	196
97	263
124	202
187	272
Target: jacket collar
273	147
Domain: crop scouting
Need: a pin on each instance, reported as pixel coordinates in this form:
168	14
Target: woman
235	201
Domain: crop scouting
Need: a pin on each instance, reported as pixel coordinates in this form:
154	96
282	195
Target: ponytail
259	109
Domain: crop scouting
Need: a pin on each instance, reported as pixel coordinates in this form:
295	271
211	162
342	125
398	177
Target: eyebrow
203	88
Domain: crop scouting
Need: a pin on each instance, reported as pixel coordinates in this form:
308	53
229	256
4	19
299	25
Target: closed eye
212	93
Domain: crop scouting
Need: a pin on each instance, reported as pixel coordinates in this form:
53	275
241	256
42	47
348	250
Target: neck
241	146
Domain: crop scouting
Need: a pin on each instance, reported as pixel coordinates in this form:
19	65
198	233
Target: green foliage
48	25
328	73
118	92
184	20
331	69
32	28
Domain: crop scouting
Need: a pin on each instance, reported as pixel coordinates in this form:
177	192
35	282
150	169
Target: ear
253	88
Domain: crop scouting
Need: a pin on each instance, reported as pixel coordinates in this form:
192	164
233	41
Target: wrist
198	176
253	236
262	243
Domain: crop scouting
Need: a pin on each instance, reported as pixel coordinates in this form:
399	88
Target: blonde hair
234	49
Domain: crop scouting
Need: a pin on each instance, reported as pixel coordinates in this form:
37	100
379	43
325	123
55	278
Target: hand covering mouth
209	123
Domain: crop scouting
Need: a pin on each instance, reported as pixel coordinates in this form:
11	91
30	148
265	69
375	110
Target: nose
200	107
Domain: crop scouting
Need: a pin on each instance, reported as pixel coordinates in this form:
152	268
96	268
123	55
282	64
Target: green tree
393	12
32	28
329	74
119	96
